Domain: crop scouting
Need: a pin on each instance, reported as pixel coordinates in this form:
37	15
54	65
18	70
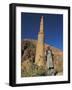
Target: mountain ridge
28	52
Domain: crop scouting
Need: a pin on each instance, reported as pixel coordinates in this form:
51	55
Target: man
49	59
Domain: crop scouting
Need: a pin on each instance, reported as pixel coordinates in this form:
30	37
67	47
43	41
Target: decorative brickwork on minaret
39	59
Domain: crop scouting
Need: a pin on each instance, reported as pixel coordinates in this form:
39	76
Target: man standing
50	64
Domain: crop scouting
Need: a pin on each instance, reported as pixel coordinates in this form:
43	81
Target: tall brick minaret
39	58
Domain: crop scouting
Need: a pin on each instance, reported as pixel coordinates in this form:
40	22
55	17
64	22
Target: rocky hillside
28	49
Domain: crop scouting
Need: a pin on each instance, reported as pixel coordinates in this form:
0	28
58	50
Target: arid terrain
28	67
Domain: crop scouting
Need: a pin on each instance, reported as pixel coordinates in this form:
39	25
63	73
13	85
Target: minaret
39	58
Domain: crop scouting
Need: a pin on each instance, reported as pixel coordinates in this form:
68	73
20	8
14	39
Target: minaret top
41	24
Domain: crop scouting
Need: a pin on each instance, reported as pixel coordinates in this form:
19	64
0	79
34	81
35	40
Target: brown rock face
28	50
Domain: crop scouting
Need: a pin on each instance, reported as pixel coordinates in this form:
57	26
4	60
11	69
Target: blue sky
53	28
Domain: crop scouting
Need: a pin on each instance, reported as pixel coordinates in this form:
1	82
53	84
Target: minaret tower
39	58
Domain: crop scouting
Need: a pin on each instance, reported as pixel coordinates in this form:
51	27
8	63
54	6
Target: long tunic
49	59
